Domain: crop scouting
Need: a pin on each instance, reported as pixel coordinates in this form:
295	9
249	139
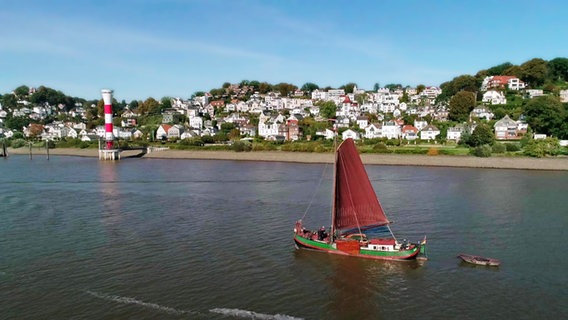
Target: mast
334	194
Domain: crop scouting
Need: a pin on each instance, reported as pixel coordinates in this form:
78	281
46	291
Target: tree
376	86
461	105
481	135
420	88
9	101
558	69
361	98
197	94
48	95
499	70
166	102
22	91
17	123
393	86
285	88
534	72
309	87
348	87
149	107
327	109
264	87
547	115
457	84
514	71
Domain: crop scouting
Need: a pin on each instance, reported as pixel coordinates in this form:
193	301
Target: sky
159	48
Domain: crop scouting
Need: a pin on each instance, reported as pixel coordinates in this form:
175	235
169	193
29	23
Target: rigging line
315	190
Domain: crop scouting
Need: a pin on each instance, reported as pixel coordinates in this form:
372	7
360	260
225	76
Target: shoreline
521	163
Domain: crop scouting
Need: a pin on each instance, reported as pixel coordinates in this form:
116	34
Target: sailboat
359	226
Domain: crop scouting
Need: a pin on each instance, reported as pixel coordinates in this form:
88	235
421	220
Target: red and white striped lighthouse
109	137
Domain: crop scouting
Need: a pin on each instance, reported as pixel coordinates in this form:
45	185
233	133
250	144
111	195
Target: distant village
359	114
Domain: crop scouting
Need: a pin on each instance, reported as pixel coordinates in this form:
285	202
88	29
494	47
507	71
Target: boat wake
237	313
127	300
252	315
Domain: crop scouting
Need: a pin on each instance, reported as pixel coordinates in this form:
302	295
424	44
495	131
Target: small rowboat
482	261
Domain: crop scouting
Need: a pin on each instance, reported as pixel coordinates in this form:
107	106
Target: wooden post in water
47	148
30	151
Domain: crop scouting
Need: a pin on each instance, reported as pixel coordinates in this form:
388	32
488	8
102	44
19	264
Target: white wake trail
127	300
252	315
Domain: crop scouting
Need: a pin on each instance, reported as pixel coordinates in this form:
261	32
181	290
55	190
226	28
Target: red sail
356	204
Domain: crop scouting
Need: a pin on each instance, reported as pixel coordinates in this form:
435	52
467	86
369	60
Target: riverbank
495	162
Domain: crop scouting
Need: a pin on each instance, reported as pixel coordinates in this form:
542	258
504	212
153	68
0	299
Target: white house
362	121
420	124
409	132
455	133
505	129
196	122
391	130
430	132
162	131
350	134
494	97
373	130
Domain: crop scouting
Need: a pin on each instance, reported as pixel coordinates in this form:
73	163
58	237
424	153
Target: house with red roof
502	82
409	132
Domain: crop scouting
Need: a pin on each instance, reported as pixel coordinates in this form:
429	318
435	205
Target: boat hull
322	246
478	260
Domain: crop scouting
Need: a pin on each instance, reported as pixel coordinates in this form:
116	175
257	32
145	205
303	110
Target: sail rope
315	191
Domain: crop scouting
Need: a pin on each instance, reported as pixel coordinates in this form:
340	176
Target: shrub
18	143
498	148
433	152
483	151
512	147
240	146
381	148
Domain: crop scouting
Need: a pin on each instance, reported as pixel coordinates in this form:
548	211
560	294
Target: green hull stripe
326	246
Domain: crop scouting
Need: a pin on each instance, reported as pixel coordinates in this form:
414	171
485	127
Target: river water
201	239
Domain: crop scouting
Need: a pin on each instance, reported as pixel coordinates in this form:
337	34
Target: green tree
22	91
166	102
48	95
197	94
285	88
327	109
348	87
542	147
361	98
376	86
558	69
264	87
461	105
514	71
393	86
9	101
420	88
547	115
534	72
17	123
457	84
150	107
309	87
499	70
481	135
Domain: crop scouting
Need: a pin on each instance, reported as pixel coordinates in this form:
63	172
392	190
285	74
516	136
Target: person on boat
322	234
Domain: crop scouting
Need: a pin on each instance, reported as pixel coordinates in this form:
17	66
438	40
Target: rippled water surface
192	239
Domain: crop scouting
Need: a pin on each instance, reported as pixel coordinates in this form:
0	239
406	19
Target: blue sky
160	48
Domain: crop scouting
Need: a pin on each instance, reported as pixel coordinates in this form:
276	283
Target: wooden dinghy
482	261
